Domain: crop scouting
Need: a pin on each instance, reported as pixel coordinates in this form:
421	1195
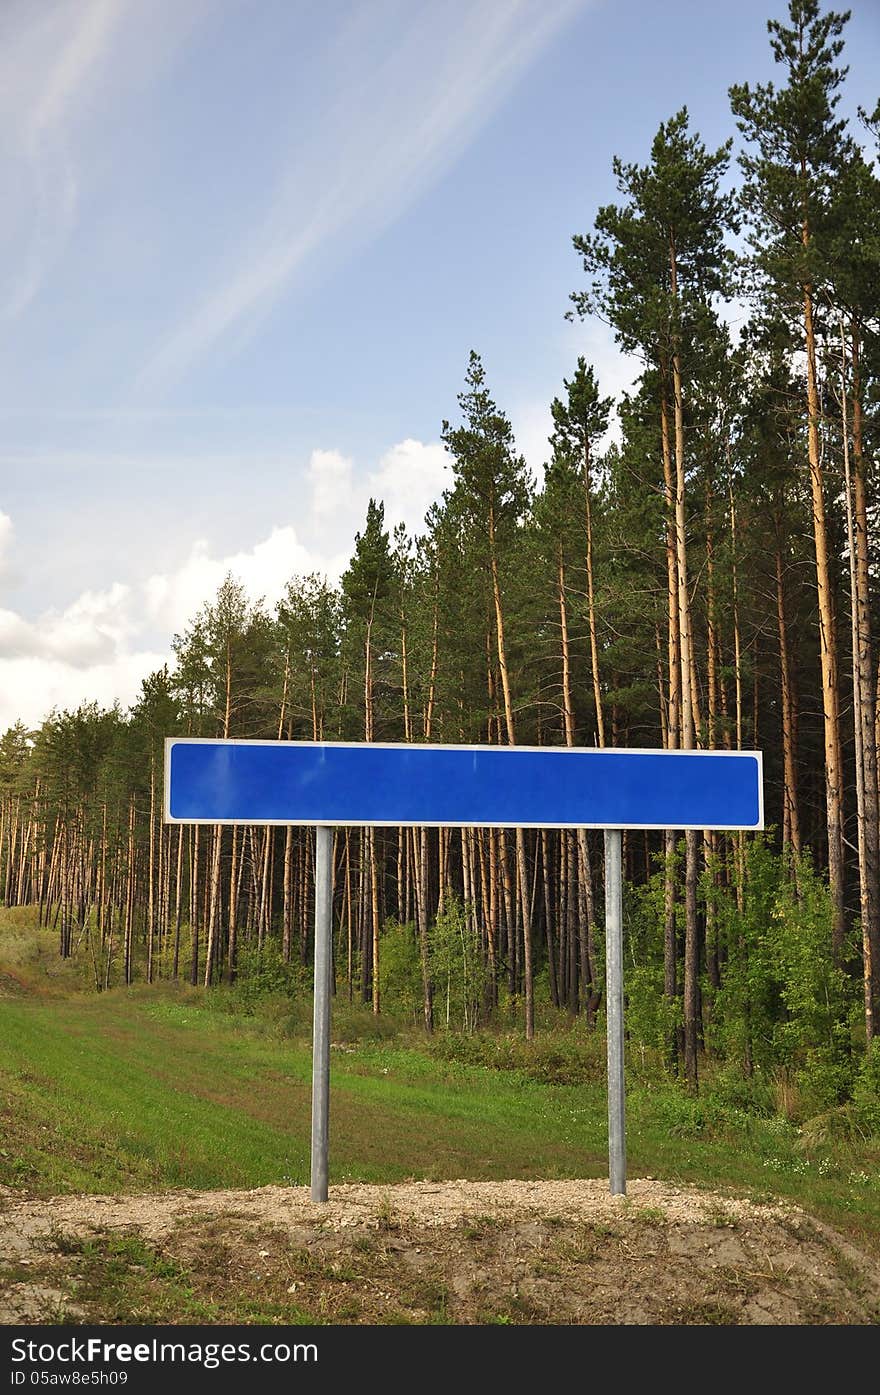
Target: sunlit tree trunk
688	731
674	706
522	879
827	634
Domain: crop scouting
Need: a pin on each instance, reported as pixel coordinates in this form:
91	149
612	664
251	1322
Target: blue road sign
338	783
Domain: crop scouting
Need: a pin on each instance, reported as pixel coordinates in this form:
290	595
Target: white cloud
88	632
33	686
410	477
63	658
17	637
101	645
104	643
532	425
330	478
171	600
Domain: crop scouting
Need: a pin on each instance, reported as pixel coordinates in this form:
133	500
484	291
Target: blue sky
247	246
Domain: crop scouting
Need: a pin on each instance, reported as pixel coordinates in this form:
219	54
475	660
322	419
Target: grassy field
148	1088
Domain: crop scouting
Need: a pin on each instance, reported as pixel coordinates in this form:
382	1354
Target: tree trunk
130	897
863	697
670	931
194	906
791	828
178	902
827	637
151	885
688	705
521	877
591	605
232	947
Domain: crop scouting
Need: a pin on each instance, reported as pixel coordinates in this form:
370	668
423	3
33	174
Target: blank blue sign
291	782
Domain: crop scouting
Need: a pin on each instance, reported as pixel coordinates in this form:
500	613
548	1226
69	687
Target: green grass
151	1088
139	1089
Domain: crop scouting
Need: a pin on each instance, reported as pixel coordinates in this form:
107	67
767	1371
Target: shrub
401	971
262	974
458	969
866	1091
824	1081
729	1089
553	1057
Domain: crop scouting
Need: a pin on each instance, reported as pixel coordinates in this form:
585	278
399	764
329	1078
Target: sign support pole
321	1032
614	1011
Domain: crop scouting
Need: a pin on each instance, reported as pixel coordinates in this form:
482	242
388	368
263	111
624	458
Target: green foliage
797	148
673	207
651	1017
355	1023
491	480
866	1090
747	1007
367	582
580	421
402	971
226	662
783	1005
729	1089
554	1056
824	1080
458	969
261	974
783	1000
796	956
310	624
15	746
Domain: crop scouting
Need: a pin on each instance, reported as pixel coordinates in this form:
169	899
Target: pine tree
655	262
788	199
854	250
579	424
367	588
492	492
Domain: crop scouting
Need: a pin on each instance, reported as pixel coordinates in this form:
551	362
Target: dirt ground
560	1252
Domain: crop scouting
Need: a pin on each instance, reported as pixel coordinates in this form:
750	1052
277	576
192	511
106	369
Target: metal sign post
321	1028
325	783
614	1010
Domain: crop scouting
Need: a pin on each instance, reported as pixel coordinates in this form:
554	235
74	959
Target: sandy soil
471	1252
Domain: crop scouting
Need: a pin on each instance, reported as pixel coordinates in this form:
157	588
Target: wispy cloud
67	67
61	48
85	44
406	87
